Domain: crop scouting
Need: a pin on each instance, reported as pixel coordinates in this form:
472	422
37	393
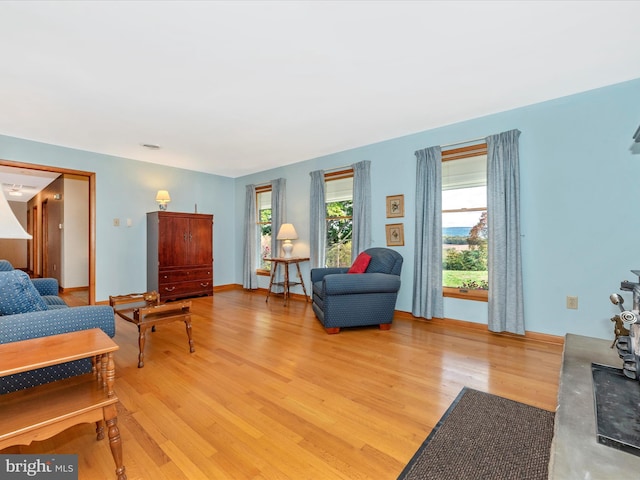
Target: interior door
32	224
45	240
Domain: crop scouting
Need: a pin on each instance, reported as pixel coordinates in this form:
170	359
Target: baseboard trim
225	288
72	289
450	322
261	291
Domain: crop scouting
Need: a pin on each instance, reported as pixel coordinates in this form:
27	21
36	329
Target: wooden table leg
115	442
99	430
286	283
101	368
142	330
96	367
111	374
274	269
304	289
187	322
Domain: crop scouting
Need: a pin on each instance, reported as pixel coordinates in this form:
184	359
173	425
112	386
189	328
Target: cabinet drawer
173	276
201	274
199	287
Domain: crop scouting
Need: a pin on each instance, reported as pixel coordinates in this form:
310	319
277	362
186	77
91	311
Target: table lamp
163	197
287	233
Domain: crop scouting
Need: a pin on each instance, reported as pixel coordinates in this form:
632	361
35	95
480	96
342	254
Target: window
339	202
263	220
464	223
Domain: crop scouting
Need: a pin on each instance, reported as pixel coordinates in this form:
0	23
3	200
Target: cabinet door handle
184	236
169	289
204	284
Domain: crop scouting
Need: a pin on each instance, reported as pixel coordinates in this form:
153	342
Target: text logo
41	467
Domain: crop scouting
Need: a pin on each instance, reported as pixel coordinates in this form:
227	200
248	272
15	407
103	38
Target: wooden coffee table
38	413
145	310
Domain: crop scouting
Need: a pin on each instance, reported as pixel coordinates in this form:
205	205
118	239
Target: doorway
90	176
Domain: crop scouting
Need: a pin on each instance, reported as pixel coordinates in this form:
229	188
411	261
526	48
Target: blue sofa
341	299
32	309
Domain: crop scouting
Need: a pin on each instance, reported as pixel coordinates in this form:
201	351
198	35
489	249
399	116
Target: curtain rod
473	140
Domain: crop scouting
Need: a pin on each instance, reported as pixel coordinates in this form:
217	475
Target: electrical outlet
572	302
116	222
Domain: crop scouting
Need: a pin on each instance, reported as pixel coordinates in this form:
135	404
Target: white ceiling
233	88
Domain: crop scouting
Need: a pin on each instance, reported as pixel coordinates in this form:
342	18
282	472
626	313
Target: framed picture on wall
395	206
395	235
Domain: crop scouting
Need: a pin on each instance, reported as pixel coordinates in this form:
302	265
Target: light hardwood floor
269	395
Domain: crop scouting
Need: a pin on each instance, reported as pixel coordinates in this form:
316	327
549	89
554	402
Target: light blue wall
126	189
579	197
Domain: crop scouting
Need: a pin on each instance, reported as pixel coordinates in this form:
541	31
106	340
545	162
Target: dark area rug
483	436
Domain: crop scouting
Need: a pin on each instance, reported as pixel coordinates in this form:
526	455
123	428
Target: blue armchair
341	299
32	309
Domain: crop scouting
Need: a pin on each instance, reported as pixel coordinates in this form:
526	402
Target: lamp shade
163	196
9	225
287	232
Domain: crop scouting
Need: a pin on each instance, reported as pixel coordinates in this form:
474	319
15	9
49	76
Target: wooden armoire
179	254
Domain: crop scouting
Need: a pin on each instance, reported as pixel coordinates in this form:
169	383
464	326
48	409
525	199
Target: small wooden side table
144	310
286	284
38	413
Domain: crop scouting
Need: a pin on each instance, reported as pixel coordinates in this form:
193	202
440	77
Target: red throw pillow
361	263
